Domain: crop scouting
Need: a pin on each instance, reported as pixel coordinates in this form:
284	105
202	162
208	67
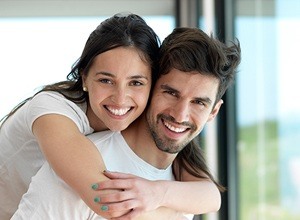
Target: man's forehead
190	81
177	77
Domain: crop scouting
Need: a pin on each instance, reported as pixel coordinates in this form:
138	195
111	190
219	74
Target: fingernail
95	186
104	208
96	199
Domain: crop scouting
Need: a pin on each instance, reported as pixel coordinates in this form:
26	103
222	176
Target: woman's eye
136	83
106	81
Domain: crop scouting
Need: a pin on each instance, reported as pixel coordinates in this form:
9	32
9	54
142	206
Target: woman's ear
215	110
83	77
84	87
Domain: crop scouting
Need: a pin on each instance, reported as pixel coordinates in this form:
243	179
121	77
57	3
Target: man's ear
215	111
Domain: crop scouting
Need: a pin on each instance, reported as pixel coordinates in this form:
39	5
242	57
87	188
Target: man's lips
174	128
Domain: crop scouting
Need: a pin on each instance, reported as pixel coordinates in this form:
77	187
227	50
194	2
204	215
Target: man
195	72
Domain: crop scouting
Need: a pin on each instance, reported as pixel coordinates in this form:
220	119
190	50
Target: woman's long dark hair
128	30
191	159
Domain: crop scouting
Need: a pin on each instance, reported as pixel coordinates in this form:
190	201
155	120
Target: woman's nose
119	95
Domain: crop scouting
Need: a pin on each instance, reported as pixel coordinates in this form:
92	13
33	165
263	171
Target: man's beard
166	144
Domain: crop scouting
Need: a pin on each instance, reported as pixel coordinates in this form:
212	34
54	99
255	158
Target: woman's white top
20	155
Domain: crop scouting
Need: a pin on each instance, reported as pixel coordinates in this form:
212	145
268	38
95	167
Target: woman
108	88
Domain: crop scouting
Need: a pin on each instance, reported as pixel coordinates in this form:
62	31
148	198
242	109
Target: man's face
180	106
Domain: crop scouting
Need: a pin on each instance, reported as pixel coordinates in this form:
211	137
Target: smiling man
196	70
186	102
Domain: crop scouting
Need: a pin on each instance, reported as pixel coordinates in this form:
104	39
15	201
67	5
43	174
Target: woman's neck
94	121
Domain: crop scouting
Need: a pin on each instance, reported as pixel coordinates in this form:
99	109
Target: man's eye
198	102
171	93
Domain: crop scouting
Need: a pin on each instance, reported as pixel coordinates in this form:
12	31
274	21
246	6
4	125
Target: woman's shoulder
50	102
52	98
49	94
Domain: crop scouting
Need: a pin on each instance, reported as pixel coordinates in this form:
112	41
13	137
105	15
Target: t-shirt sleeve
59	201
54	103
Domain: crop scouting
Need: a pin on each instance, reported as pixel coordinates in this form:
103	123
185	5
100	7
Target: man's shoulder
101	136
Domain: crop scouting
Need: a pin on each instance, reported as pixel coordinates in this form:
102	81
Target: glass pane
268	109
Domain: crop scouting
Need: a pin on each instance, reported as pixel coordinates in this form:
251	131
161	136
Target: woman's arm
158	214
72	156
77	161
192	195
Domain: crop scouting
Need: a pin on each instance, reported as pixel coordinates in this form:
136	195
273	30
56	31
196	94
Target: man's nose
180	111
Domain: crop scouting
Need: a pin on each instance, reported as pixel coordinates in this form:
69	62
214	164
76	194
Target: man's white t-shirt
20	155
49	197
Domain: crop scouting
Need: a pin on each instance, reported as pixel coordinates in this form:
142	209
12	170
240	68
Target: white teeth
118	111
172	128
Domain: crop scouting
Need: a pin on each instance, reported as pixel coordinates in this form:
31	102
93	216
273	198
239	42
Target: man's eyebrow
206	100
167	87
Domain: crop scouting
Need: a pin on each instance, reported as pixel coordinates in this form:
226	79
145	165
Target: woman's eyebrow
138	76
105	74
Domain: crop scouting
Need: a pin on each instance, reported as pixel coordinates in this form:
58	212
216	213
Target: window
39	44
268	109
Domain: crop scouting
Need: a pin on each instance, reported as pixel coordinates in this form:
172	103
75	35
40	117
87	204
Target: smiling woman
119	86
72	107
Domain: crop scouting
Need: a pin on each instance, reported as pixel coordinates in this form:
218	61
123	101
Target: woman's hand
135	194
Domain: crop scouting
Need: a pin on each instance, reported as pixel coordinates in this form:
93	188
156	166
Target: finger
114	197
130	215
113	215
120	184
121	206
110	184
118	175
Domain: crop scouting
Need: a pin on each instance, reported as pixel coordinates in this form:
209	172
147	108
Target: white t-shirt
20	155
49	197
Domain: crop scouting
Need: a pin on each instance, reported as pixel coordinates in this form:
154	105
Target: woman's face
118	84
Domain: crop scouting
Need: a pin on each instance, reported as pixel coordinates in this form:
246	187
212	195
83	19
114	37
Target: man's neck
139	139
